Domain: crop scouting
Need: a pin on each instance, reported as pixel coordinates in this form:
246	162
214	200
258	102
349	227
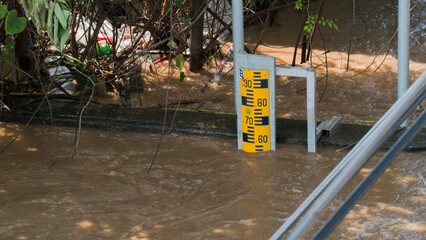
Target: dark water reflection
199	188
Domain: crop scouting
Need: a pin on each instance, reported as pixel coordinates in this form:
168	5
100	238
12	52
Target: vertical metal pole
403	47
238	37
272	119
311	110
238	26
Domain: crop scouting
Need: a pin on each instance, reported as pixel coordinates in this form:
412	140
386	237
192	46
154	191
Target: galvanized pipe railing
371	178
354	161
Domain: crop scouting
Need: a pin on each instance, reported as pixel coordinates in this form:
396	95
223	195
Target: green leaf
43	17
14	24
172	44
299	5
167	8
305	27
173	66
3	9
179	3
335	27
63	2
50	15
60	16
329	24
55	30
182	76
67	16
264	43
180	61
187	21
64	37
175	19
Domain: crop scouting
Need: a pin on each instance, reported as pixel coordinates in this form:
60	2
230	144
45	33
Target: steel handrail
371	178
354	161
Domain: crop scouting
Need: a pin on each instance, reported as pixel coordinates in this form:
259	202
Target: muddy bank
201	122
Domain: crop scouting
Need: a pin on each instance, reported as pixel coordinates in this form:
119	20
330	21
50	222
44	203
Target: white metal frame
240	58
309	74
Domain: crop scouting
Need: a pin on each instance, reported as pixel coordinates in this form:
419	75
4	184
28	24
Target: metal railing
350	165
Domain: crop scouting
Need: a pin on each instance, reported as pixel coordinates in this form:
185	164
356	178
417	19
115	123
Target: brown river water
199	188
203	187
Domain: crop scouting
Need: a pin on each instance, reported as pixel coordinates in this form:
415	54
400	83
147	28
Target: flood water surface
199	188
203	187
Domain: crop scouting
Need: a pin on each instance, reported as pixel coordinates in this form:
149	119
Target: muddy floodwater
199	188
203	187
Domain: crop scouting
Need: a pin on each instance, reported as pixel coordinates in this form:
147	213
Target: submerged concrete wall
150	120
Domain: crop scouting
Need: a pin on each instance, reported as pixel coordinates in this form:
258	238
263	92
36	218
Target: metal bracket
328	128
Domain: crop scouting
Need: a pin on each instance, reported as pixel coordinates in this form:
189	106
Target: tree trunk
197	55
26	61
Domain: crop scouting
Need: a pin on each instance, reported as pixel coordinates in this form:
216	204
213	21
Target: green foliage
8	50
180	60
50	16
167	8
14	24
175	19
325	22
182	76
329	23
3	10
172	44
309	23
312	18
299	5
179	3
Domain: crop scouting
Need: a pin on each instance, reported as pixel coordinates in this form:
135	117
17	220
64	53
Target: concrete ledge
150	120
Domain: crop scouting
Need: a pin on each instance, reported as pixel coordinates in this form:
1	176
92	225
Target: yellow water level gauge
255	110
255	102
